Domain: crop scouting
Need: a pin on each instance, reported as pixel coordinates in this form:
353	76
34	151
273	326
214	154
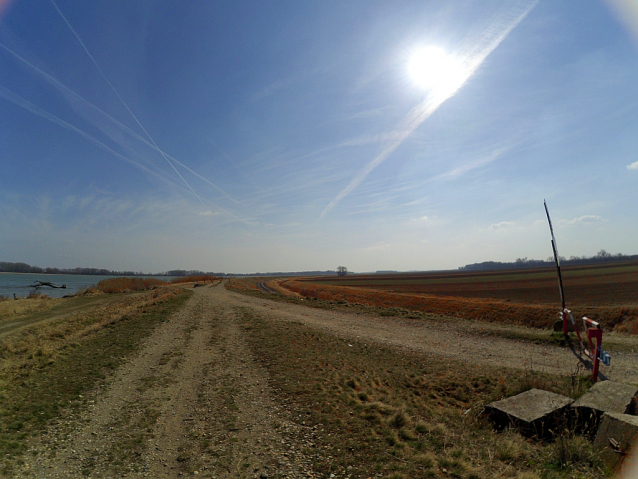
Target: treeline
189	272
6	267
283	273
601	256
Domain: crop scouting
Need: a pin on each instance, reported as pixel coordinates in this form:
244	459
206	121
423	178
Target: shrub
121	285
194	278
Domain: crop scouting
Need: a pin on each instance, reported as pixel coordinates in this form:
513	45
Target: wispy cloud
472	165
112	128
585	219
381	246
502	225
30	107
123	102
18	100
473	57
370	139
110	214
633	166
367	114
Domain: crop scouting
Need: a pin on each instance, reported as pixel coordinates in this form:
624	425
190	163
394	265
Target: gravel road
194	401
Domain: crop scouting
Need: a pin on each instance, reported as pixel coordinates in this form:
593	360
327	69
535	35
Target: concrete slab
617	442
533	413
602	397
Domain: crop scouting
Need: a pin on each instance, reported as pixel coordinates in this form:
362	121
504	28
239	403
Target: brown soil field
607	293
596	285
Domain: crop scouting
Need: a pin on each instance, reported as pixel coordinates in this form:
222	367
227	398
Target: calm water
20	284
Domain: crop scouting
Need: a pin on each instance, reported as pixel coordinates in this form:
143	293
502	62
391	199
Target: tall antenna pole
594	331
556	260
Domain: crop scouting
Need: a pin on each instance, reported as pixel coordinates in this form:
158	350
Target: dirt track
194	401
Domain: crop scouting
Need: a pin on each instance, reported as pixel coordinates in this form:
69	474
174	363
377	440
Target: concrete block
602	397
534	412
617	442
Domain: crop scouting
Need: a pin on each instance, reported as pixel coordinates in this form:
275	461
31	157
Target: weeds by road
48	365
402	414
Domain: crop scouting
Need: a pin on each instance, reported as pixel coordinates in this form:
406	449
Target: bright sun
433	69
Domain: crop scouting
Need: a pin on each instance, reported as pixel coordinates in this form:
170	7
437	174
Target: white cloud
584	220
502	224
381	246
472	165
633	166
207	213
367	114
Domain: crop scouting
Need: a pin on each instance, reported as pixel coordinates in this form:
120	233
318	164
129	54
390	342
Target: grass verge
46	368
400	414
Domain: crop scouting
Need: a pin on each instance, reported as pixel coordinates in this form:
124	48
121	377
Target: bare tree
342	271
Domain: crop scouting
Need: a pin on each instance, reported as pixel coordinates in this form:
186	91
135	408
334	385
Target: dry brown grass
125	285
27	348
404	414
628	327
45	366
14	309
195	278
617	318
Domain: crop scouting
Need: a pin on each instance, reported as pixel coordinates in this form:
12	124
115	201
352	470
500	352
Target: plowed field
607	293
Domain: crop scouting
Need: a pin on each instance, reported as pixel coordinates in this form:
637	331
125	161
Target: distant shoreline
66	274
99	275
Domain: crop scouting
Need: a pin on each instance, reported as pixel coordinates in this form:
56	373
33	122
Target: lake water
20	284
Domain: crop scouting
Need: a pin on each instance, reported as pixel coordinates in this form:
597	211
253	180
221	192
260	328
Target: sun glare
432	69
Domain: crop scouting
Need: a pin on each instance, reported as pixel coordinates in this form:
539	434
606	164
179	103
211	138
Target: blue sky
286	136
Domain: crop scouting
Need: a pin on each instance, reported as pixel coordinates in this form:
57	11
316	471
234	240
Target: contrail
18	100
123	102
491	39
27	105
74	97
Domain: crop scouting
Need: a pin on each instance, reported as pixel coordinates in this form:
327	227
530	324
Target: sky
242	136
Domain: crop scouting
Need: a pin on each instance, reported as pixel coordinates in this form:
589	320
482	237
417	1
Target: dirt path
455	339
194	401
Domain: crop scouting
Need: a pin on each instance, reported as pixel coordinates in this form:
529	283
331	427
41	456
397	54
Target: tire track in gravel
193	401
